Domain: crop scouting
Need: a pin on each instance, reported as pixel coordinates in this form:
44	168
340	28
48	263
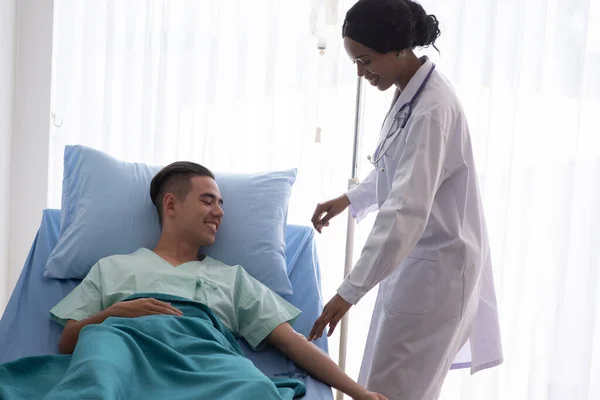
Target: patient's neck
176	251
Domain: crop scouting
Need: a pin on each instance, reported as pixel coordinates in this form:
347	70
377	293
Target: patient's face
199	214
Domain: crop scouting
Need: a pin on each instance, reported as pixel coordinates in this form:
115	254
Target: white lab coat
428	249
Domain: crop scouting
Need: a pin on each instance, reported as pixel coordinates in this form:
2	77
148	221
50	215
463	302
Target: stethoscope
400	121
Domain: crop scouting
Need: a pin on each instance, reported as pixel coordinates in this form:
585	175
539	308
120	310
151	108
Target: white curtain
8	44
240	86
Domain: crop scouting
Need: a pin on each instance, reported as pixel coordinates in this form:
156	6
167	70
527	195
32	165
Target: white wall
31	126
8	40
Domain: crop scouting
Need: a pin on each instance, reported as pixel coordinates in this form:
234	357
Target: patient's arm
70	334
127	309
314	361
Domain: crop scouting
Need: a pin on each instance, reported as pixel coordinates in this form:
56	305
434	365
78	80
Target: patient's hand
372	396
126	309
142	307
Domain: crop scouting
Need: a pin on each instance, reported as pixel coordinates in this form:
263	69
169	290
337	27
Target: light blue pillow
106	210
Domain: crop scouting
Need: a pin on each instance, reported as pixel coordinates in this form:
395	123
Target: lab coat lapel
407	94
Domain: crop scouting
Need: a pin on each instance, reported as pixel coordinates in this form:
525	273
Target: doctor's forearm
413	184
398	233
364	194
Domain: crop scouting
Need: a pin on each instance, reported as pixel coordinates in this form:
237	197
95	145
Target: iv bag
323	17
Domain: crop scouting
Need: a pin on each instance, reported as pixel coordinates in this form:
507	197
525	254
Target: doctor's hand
332	314
330	208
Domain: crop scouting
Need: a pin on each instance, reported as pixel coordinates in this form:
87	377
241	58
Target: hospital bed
27	330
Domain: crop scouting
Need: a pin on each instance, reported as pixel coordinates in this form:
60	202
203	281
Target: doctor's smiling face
380	35
380	69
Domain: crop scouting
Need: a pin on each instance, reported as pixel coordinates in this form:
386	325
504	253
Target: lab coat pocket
411	288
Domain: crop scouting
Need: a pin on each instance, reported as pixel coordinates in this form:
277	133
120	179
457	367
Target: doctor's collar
416	80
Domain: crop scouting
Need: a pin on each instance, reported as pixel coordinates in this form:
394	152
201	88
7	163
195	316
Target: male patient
188	202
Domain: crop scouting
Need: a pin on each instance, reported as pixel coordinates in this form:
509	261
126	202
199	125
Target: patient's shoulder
222	271
214	263
123	260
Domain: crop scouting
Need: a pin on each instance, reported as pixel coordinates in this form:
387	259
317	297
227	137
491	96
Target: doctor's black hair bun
390	25
426	27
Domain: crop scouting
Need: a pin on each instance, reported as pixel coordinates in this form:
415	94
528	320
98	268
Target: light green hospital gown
246	306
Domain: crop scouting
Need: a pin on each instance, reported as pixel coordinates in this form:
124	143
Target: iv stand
352	182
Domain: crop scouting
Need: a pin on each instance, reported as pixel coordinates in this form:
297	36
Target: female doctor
428	247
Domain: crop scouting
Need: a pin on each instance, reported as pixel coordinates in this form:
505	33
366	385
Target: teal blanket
155	357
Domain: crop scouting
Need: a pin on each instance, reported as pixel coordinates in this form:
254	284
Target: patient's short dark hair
175	178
